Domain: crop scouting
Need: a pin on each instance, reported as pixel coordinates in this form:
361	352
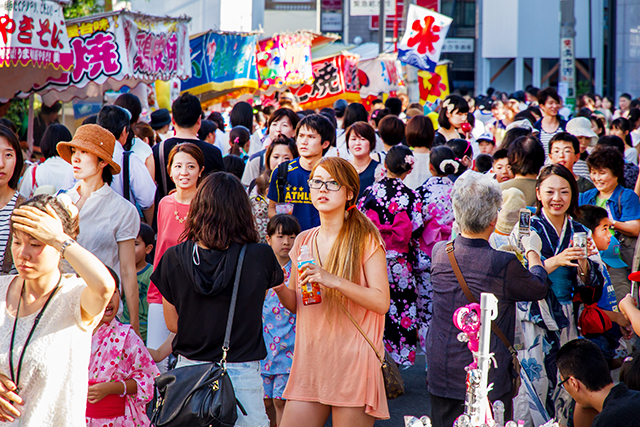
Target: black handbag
199	395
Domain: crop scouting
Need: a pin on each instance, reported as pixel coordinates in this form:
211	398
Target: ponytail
238	139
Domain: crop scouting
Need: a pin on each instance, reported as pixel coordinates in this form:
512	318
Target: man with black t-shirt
187	114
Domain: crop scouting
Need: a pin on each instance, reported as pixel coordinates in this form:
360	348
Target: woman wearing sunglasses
396	211
335	371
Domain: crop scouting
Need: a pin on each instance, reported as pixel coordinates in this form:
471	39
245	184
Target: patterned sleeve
138	365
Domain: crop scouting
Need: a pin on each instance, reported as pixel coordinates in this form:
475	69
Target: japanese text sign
125	46
370	7
422	42
285	60
32	30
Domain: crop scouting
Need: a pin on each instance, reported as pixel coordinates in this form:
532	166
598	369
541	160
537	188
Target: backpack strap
163	167
126	175
281	181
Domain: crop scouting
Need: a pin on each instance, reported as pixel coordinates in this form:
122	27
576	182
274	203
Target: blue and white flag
422	42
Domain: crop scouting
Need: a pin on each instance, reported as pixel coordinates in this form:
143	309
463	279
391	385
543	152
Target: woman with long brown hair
334	370
196	279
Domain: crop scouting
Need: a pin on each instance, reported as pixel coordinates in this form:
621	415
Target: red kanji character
55	37
426	36
44	29
7	25
436	85
25	27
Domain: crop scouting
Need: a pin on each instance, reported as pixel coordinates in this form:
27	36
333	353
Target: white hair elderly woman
476	200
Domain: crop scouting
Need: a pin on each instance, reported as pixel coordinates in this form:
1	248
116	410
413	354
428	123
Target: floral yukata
279	332
437	213
396	210
118	354
260	210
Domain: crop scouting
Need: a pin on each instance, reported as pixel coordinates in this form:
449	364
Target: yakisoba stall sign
33	32
124	47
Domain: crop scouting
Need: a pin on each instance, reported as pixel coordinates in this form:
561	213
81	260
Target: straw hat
93	139
512	201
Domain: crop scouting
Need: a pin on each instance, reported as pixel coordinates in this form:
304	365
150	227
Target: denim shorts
247	384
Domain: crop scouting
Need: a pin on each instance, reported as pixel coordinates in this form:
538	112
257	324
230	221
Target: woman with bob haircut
526	157
355	112
48	317
361	141
420	134
351	268
54	172
196	280
476	199
453	112
109	224
185	167
11	168
550	123
606	166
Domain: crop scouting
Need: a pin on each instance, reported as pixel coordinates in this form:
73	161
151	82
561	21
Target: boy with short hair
279	331
486	143
288	188
143	246
564	149
501	166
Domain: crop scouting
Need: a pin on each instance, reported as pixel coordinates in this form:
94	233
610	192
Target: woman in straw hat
109	224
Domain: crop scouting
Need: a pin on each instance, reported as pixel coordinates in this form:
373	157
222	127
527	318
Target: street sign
369	7
456	45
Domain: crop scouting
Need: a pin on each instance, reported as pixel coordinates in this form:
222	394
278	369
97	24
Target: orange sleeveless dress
332	363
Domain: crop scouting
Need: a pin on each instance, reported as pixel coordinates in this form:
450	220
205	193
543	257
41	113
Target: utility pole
567	84
382	28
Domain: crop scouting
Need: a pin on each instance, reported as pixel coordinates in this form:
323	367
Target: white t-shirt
54	375
420	172
631	155
105	220
54	171
141	149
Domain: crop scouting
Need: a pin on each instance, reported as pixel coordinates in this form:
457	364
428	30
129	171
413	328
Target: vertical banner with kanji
433	85
334	78
422	41
223	64
124	46
33	31
285	60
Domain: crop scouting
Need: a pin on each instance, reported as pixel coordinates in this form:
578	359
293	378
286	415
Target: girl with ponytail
239	140
396	210
350	267
437	213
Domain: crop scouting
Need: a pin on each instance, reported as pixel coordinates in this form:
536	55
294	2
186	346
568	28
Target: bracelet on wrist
124	384
65	245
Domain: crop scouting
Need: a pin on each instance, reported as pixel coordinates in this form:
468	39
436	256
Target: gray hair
476	199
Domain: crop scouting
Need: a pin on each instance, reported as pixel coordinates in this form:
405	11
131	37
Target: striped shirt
545	137
5	228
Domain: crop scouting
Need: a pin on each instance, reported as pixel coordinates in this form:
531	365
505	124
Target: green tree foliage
78	8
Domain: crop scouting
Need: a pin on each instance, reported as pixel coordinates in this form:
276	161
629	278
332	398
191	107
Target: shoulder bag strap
163	167
232	308
380	358
126	175
465	288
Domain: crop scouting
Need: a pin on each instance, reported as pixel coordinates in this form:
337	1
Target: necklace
175	212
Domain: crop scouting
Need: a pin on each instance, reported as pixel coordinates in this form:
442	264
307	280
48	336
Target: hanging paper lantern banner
334	78
285	60
422	42
379	75
433	85
223	65
117	49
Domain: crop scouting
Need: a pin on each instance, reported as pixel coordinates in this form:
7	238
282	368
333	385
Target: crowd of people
120	242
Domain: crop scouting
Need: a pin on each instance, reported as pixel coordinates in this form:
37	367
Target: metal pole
567	84
591	85
382	28
395	27
318	16
345	21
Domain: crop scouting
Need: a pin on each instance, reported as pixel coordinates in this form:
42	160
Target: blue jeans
247	384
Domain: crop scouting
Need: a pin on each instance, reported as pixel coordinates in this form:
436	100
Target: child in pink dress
121	374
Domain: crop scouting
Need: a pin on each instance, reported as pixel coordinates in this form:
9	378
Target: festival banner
433	85
285	60
422	42
121	48
379	75
334	78
223	65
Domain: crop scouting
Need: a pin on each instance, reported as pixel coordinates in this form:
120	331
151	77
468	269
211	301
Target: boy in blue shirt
288	188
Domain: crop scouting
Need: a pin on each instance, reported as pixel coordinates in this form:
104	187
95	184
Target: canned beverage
580	241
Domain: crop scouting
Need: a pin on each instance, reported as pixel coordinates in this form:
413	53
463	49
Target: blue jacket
623	204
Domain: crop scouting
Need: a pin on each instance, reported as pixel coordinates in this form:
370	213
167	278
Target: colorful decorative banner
433	85
121	48
285	60
422	42
222	63
334	78
379	75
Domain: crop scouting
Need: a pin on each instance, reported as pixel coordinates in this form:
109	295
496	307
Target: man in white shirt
142	189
